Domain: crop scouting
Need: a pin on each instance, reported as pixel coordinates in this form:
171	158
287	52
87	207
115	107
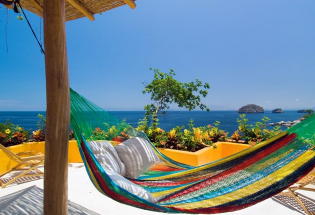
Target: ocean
29	119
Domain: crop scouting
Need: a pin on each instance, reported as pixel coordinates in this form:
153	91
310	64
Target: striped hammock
229	184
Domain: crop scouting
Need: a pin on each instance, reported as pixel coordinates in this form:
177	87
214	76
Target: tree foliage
254	133
165	90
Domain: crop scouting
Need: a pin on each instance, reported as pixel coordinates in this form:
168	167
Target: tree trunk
57	96
155	119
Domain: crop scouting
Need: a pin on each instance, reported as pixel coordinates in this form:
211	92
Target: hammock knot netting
164	185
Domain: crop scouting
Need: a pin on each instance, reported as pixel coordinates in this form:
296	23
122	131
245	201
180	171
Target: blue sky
250	51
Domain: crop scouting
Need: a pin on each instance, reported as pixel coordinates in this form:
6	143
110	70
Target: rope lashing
9	3
5	2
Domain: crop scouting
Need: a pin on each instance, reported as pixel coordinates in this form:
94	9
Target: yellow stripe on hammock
93	179
166	192
253	188
222	161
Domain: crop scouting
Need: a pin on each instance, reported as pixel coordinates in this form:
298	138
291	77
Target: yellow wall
7	164
200	157
205	155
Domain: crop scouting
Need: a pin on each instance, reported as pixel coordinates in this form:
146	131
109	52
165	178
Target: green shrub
39	134
11	134
181	138
254	133
111	132
309	112
195	138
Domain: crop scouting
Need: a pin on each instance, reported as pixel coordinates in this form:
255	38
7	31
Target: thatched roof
78	8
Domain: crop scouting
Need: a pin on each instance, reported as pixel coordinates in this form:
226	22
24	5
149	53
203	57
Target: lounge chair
28	165
292	198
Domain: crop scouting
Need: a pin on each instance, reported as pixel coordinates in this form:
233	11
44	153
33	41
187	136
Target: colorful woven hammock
229	184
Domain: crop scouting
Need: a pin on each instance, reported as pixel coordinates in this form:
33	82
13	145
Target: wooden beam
130	3
76	4
57	97
37	6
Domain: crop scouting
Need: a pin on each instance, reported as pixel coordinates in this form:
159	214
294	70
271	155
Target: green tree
165	90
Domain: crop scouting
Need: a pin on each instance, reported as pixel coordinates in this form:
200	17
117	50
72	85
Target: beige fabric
137	155
107	156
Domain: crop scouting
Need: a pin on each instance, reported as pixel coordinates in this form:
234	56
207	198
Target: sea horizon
228	119
136	110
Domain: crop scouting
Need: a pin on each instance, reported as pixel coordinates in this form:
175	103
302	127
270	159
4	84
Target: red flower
3	135
98	129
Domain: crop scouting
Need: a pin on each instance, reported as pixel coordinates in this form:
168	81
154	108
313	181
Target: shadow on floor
290	202
30	202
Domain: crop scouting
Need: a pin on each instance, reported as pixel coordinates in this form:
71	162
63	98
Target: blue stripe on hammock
159	189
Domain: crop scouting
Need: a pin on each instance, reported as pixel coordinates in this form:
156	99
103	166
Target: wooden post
57	96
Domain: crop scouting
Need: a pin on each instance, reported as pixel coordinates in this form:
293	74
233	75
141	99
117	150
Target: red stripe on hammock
164	168
163	184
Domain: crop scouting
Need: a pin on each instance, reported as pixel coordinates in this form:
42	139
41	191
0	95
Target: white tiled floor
82	191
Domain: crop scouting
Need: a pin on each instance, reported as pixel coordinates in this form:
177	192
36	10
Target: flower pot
205	155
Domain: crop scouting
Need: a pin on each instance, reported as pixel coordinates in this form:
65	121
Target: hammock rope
16	6
17	2
229	184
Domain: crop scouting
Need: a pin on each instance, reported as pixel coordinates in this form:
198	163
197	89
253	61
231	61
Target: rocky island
251	108
277	110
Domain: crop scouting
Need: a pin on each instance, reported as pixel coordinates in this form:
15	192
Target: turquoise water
29	119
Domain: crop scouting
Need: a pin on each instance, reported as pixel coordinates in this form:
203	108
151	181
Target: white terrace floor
82	192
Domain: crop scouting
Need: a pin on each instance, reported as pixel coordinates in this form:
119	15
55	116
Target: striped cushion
107	156
137	155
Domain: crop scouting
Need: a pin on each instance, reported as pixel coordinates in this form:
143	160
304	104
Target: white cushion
131	187
107	156
137	155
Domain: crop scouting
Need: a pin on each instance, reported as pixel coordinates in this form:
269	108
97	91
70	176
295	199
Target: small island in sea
251	108
277	110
